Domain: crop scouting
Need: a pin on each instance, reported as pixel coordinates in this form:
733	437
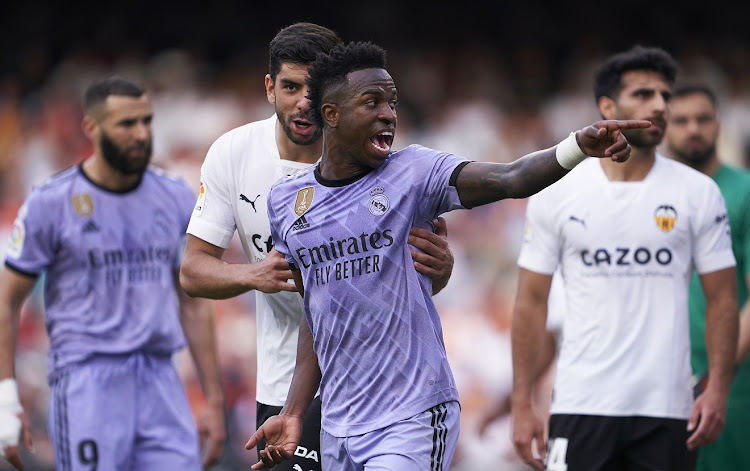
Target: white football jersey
626	251
238	172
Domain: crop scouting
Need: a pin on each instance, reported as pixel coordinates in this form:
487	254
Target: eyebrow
286	81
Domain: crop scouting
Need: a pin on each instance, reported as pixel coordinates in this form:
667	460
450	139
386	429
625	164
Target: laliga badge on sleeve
201	199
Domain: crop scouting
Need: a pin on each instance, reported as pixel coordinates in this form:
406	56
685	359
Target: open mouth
302	127
383	141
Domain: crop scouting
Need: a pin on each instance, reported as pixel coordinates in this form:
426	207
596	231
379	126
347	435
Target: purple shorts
425	442
126	412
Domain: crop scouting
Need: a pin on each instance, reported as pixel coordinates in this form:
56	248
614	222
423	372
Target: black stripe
439	434
65	440
434	438
443	432
19	271
456	171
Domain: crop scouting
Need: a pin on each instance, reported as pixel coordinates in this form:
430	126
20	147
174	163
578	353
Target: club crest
666	217
379	203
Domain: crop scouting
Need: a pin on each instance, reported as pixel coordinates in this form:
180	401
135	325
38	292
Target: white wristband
10	407
568	153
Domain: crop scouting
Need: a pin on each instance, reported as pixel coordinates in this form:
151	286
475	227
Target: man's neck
97	170
709	167
634	169
288	150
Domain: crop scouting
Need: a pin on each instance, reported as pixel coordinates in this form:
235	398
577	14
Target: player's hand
272	274
282	434
13	427
605	139
526	428
706	418
212	432
435	259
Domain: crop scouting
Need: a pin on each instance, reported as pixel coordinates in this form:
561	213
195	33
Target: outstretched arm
282	432
204	274
480	183
528	339
14	289
709	410
196	318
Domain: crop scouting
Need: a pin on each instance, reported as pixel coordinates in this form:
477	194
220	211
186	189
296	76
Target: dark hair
608	81
331	69
99	90
299	43
695	89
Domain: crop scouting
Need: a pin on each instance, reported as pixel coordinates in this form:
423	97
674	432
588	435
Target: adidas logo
90	227
300	223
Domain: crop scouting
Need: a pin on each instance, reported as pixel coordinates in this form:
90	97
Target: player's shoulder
59	181
251	134
678	171
289	182
166	180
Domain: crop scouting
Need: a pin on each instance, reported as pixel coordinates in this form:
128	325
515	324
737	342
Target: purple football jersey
109	260
376	331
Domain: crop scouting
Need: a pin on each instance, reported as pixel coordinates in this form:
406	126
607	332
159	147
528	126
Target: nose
660	104
387	113
142	131
303	103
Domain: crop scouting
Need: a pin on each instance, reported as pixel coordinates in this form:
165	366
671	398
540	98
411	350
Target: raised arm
14	289
203	273
528	338
709	410
480	183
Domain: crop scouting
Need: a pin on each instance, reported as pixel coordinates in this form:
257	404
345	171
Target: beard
696	157
643	138
299	140
118	158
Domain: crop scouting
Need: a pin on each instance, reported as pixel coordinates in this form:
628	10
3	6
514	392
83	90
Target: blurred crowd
470	101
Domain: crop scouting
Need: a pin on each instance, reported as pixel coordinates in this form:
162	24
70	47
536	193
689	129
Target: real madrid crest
304	200
379	203
83	204
666	217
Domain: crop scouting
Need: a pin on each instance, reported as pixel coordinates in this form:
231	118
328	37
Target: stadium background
490	82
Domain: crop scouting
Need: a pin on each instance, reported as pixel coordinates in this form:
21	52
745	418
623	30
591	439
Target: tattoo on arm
480	183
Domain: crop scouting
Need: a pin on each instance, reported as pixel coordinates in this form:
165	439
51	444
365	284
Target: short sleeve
713	241
440	192
212	218
33	237
540	249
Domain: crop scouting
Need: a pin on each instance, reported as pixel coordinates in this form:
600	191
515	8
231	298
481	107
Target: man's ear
607	107
89	127
270	90
330	113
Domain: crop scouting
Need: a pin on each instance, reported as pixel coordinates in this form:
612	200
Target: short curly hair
330	70
608	79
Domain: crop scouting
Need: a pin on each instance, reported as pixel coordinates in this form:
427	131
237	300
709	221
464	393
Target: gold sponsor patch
666	217
83	204
304	200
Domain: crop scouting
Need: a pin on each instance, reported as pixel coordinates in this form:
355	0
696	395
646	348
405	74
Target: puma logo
244	198
573	218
